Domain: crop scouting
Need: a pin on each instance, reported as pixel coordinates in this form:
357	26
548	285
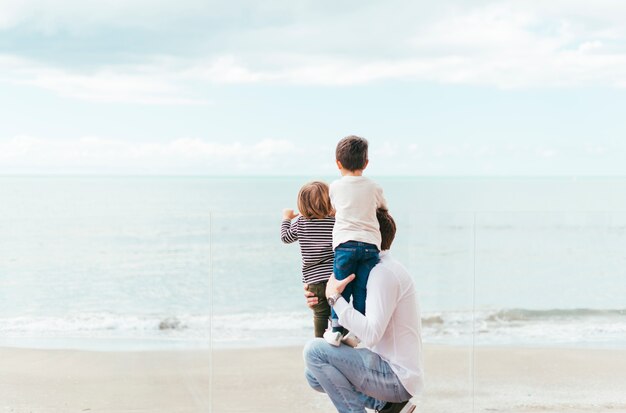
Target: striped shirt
316	245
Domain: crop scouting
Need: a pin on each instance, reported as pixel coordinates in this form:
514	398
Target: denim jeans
354	257
354	379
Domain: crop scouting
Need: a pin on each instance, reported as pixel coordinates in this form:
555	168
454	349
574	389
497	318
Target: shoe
333	337
350	340
402	407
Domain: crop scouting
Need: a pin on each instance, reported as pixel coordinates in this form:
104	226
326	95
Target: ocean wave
519	314
586	327
434	320
504	326
102	322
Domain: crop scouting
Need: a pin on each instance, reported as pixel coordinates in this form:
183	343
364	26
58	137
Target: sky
202	87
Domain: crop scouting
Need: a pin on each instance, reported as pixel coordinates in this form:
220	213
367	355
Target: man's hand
333	286
289	214
311	298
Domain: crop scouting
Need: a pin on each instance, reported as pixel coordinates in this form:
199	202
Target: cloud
498	44
503	44
100	155
149	83
96	155
50	16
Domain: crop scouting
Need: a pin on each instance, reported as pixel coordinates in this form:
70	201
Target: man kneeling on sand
385	371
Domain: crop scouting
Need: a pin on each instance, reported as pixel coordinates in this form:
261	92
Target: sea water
196	262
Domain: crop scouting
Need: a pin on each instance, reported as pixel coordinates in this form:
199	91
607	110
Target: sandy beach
270	380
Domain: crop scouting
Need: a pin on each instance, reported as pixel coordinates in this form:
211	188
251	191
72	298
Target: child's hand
289	214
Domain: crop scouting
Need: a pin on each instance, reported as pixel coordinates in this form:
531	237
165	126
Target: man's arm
382	296
310	297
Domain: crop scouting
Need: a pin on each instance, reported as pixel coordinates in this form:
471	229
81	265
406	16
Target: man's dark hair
387	228
352	152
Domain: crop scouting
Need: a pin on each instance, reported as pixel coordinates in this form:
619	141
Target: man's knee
312	380
314	350
314	356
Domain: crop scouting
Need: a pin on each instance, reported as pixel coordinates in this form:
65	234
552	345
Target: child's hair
314	200
352	152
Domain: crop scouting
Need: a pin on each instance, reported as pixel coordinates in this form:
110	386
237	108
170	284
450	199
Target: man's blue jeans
354	257
354	379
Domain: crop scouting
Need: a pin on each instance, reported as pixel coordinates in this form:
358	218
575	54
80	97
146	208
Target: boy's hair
314	200
387	228
352	152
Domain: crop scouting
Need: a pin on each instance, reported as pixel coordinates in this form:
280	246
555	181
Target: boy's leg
344	264
368	258
321	310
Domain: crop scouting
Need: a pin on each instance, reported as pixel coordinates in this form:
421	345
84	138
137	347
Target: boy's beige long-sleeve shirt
355	199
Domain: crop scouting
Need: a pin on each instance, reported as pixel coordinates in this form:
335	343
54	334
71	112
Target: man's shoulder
387	263
391	268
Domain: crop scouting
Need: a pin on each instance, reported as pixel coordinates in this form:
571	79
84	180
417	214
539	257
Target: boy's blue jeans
354	257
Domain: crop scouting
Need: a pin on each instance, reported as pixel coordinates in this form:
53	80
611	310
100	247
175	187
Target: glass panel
261	321
551	320
104	295
440	258
108	280
260	329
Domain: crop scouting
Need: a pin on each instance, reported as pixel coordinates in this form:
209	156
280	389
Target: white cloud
593	149
564	68
224	69
78	17
505	44
50	16
153	83
100	155
109	86
500	44
173	81
96	155
387	150
546	152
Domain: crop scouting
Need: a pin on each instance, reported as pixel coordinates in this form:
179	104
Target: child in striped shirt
313	228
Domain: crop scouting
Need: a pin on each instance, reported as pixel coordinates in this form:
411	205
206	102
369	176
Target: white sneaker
351	340
333	338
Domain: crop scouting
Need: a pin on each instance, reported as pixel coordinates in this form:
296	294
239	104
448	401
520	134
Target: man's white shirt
391	326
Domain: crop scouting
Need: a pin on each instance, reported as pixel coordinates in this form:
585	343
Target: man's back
391	326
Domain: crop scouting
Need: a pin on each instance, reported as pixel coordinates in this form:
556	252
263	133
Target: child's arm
289	230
